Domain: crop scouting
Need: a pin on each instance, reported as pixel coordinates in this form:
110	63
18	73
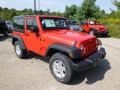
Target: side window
18	24
35	24
31	22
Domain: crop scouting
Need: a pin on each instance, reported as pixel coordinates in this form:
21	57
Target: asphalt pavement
33	73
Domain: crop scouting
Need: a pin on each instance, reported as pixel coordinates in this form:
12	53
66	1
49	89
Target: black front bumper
101	33
90	62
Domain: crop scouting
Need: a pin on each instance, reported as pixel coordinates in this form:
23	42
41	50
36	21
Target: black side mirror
33	29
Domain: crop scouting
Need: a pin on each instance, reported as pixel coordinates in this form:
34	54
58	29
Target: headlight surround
81	47
98	42
74	43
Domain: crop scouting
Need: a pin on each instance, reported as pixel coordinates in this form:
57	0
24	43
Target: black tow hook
103	52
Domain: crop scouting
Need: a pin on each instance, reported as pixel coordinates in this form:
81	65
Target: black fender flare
18	38
72	51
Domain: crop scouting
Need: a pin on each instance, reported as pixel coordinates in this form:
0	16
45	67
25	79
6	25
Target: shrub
113	24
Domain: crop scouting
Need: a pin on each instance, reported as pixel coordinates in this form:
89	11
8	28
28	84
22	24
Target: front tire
20	52
60	68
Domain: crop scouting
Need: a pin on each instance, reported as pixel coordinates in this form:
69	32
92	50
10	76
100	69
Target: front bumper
89	62
102	33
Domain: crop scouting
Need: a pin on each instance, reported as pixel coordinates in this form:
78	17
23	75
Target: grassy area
114	30
114	26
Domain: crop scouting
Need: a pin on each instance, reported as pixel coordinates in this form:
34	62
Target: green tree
0	9
70	12
5	9
117	4
90	9
40	12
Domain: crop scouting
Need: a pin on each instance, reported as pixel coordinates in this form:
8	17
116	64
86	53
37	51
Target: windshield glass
9	22
72	22
76	28
94	22
54	23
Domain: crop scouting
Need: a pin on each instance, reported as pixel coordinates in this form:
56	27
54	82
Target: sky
53	5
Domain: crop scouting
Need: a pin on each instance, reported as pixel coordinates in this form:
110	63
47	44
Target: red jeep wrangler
94	28
50	36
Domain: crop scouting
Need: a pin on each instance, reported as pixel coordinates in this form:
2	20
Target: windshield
94	22
72	22
9	22
54	23
76	28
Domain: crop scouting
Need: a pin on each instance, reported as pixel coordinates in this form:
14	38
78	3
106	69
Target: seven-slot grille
89	47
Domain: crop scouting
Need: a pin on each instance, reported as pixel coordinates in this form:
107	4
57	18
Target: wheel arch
70	51
17	38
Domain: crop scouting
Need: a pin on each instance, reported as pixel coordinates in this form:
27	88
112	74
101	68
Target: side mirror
33	29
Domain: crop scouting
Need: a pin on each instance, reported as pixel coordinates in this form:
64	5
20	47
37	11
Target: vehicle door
32	33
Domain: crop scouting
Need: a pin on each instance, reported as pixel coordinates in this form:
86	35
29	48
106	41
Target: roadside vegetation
112	21
88	10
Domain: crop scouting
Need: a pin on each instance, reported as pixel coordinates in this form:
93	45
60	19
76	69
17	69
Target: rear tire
60	68
20	52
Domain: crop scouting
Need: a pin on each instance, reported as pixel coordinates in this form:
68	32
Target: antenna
35	7
39	5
